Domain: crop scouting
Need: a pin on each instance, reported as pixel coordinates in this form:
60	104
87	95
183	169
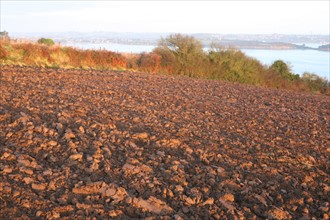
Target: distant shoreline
238	41
232	44
226	46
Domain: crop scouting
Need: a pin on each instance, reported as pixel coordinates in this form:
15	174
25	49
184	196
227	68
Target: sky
223	17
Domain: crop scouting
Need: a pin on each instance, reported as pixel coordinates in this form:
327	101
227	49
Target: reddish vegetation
149	62
104	144
186	58
31	52
3	52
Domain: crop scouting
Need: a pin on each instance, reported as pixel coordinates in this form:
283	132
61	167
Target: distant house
4	36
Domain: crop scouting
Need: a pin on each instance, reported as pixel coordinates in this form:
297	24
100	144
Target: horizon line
169	32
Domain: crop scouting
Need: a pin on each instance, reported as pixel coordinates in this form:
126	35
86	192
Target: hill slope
100	143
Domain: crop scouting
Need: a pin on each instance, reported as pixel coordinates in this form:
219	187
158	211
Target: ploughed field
106	144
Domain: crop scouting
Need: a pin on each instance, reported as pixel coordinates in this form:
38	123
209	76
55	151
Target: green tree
284	70
46	41
183	54
233	65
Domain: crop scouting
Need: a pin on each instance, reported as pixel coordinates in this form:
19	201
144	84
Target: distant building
4	36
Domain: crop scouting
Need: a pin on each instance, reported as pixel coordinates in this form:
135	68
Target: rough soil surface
78	144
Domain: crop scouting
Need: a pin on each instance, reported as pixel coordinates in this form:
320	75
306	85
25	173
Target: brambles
149	62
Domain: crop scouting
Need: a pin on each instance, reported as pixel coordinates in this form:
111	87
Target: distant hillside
241	41
325	47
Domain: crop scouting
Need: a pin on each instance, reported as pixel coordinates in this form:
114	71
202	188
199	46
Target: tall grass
51	56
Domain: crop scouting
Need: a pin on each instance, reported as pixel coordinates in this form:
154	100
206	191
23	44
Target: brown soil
77	144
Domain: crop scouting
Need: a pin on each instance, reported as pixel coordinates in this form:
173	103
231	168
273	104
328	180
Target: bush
283	69
132	61
149	62
3	51
233	65
316	83
46	41
182	55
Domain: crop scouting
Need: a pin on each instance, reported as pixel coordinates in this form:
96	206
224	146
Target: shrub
46	41
3	51
316	83
181	54
283	69
149	62
233	65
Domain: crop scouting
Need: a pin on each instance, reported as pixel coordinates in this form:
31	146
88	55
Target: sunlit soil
78	143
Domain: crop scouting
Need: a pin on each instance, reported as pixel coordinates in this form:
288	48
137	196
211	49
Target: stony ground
78	144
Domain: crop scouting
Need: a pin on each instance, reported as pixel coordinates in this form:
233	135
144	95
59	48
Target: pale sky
224	17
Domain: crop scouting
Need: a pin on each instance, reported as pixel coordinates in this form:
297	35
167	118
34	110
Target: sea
300	61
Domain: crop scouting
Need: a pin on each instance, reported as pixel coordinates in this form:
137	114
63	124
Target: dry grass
33	54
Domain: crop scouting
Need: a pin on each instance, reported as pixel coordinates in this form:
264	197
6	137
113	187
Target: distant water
301	61
121	48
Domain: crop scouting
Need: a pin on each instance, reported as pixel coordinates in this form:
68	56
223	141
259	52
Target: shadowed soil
104	144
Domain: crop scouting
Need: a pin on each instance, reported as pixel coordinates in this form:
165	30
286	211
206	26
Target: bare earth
77	144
